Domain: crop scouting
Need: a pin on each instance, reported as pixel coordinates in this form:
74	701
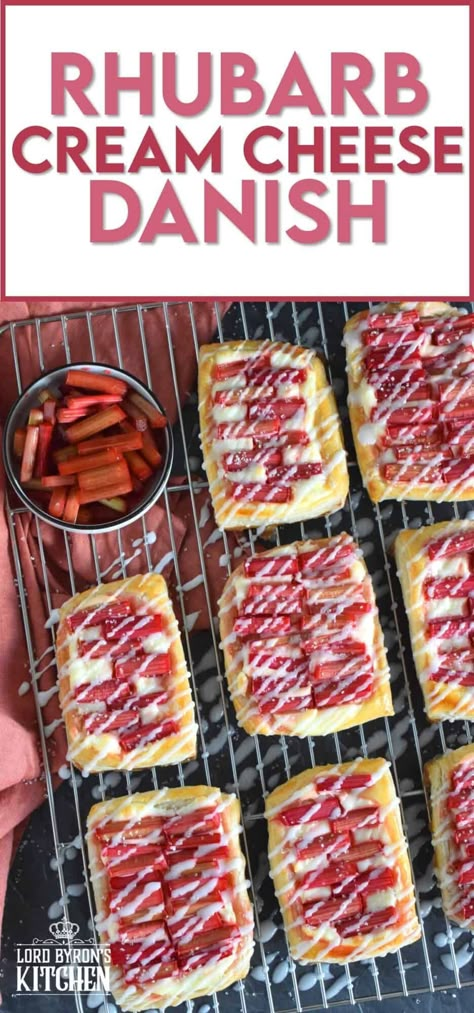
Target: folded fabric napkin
42	548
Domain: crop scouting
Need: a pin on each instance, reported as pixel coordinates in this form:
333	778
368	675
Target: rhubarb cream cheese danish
270	432
171	895
436	569
339	863
123	683
411	400
302	641
450	781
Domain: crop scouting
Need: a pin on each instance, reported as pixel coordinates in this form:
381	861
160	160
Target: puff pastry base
324	575
443	699
369	434
329	940
447	852
311	497
94	752
217	973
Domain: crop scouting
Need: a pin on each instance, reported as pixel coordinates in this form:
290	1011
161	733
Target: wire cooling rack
251	766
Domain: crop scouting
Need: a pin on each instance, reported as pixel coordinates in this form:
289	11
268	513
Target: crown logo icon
64	930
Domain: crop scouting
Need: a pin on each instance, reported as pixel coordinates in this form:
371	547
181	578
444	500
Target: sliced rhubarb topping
359	852
267	408
332	910
224	370
200	818
96	616
285	703
276	377
148	895
296	437
359	817
129	932
255	493
286	664
107	690
368	923
449	587
252	627
451	627
343	667
295	472
243	430
373	881
275	602
324	844
310	811
148	733
245	458
451	545
271	566
151	860
448	675
344	782
283	683
412	473
329	876
116	628
101	724
402	318
326	555
207	940
143	665
337	693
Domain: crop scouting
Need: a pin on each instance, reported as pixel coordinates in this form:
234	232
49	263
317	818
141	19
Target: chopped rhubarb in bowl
87	447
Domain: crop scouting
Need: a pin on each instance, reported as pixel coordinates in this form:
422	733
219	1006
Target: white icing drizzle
450	854
232	421
170	708
323	599
301	901
187	922
426	365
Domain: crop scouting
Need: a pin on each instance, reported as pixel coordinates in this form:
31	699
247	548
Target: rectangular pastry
411	400
303	646
171	895
339	863
450	781
270	433
436	570
123	683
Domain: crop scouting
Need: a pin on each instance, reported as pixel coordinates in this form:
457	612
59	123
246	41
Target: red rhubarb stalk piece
112	721
255	493
19	438
329	876
455	626
118	609
451	545
107	690
359	817
340	692
263	377
143	665
96	423
326	554
149	733
140	930
29	453
57	502
343	782
90	380
224	370
274	409
359	852
310	811
413	473
248	430
138	466
120	442
271	566
402	318
368	922
324	844
99	478
73	465
206	940
105	493
91	400
156	419
116	627
285	703
57	481
296	437
331	910
295	472
254	627
44	442
71	509
203	817
147	895
449	587
244	458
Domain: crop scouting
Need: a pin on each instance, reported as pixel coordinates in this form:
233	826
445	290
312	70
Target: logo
62	963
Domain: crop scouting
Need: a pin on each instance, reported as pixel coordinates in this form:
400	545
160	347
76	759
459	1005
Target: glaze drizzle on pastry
344	889
169	871
123	680
436	566
412	401
302	640
451	780
270	428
